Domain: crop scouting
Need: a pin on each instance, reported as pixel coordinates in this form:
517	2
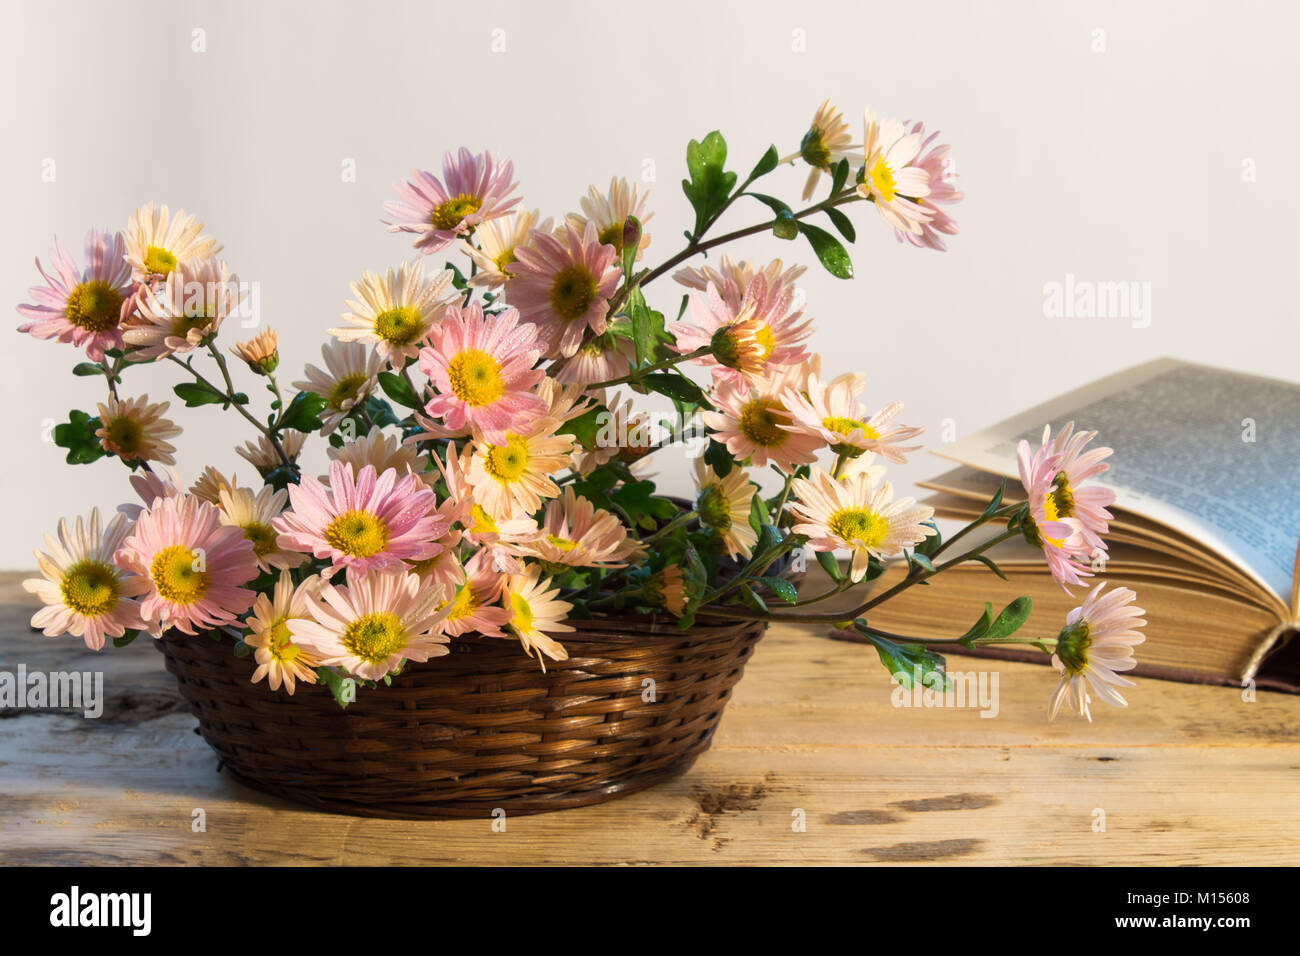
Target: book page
1211	453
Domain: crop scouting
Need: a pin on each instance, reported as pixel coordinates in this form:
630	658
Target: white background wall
1117	165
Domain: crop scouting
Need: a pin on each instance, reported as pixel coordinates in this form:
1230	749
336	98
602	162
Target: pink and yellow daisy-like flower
474	189
158	242
515	475
723	505
1094	646
396	311
444	569
563	285
1070	497
253	514
474	605
754	423
373	624
858	515
891	177
135	430
482	368
85	594
1062	538
195	565
832	410
363	521
262	454
350	376
575	533
732	278
825	144
495	535
666	589
762	334
82	306
943	192
599	359
536	613
609	212
184	312
497	241
278	658
383	452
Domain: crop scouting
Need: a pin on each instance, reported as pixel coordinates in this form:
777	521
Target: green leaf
930	545
777	206
710	184
922	560
839	176
766	164
750	597
636	498
677	387
395	387
586	426
195	394
337	684
782	588
903	660
87	368
785	226
127	637
718	458
695	582
77	435
830	565
829	251
757	513
303	413
985	560
1010	619
642	325
979	628
842	223
994	503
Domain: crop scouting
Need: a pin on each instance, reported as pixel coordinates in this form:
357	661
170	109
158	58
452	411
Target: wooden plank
1187	774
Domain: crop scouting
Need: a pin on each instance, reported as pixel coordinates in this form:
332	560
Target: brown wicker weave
480	728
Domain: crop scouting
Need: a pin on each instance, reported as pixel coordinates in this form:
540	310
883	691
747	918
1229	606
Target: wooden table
1187	774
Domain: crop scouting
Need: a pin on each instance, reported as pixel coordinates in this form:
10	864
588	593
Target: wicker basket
481	728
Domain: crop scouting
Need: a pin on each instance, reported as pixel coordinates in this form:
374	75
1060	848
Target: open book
1206	521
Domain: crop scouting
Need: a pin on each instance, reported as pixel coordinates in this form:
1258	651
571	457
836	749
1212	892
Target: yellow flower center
94	306
263	537
158	261
177	576
882	181
279	642
509	461
347	387
573	290
522	614
482	521
1059	502
475	378
564	544
858	526
464	603
125	435
506	257
766	340
450	214
374	637
399	326
713	507
358	534
612	235
90	588
760	422
846	427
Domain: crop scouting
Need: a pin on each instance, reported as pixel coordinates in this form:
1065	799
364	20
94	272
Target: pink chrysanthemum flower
493	535
473	190
183	312
195	564
1096	643
1062	537
443	570
762	334
575	533
943	192
891	177
396	311
832	410
1070	497
482	367
474	606
83	307
158	242
279	659
135	430
85	594
732	278
858	515
536	613
373	624
382	452
601	359
516	474
363	521
563	284
350	376
754	423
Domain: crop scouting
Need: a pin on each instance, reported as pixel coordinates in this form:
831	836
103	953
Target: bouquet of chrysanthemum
487	447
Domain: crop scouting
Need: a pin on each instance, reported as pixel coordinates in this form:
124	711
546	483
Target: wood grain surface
813	764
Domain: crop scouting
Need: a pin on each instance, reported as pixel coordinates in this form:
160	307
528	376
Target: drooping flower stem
229	395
